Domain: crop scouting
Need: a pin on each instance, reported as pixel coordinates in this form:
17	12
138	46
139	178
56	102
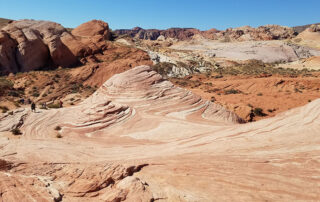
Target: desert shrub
5	85
259	112
218	76
232	91
297	40
53	106
10	113
16	104
213	90
16	131
13	93
297	90
271	110
45	95
163	68
256	67
75	88
259	94
4	109
36	94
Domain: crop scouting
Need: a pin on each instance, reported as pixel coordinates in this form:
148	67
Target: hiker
60	104
28	101
33	107
251	115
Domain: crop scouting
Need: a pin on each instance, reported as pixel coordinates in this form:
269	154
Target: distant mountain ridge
245	33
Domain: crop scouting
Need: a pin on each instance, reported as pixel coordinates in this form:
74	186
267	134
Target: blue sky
161	14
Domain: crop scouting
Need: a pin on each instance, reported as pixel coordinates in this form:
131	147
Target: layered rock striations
140	138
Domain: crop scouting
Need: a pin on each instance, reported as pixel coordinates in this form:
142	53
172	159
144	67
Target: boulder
88	38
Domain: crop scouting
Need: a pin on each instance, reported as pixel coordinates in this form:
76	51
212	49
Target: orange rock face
37	44
140	138
28	45
93	28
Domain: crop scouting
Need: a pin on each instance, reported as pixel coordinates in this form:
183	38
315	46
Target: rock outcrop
94	28
37	44
28	45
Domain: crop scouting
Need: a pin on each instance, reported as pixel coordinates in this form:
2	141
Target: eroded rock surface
27	45
36	45
140	138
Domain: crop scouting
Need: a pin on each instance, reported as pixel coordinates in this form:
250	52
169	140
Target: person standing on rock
33	107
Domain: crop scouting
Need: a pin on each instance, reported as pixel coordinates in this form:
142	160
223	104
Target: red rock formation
94	28
27	45
37	44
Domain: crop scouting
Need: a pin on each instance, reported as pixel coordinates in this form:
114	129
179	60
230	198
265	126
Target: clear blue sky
201	14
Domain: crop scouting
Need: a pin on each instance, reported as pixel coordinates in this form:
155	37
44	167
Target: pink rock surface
140	138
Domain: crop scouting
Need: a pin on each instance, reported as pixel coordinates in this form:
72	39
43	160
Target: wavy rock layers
103	182
140	138
138	91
